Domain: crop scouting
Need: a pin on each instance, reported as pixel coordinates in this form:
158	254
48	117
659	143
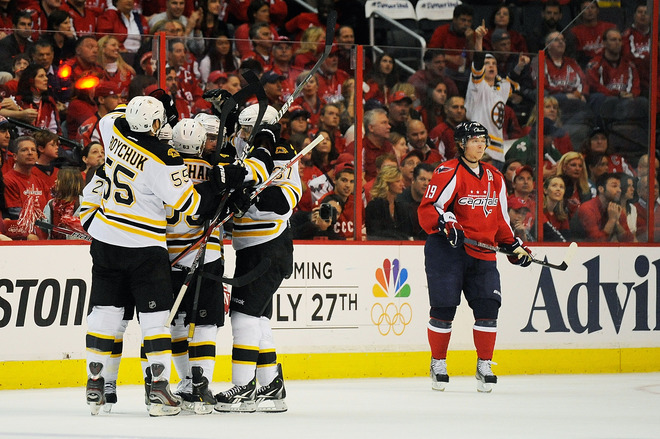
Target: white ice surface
555	406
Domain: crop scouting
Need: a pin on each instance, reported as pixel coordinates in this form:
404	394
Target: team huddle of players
154	197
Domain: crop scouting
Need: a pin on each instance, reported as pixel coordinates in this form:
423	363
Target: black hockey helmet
466	130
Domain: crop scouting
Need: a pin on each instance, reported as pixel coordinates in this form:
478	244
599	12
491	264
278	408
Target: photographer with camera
318	223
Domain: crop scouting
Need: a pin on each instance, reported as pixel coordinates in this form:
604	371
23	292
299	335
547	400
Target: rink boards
353	310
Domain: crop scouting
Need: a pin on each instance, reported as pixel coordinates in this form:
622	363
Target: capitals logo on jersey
484	200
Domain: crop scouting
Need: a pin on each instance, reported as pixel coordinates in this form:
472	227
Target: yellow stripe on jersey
291	192
141	219
184	197
136	230
245	229
135	145
257	169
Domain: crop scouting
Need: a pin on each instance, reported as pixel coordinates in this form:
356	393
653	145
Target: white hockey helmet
248	117
189	137
210	122
142	111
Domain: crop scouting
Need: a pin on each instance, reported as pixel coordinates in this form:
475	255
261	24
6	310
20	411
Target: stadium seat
434	13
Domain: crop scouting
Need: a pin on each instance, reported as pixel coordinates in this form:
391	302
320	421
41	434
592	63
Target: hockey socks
267	369
439	333
484	333
245	350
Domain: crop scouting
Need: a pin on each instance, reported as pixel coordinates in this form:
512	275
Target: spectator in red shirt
331	78
418	139
258	11
502	18
433	73
298	24
555	217
432	110
597	142
637	45
282	64
48	147
329	121
127	25
572	167
261	38
115	69
311	46
84	18
375	142
20	183
188	87
310	99
443	134
85	62
32	92
602	219
589	33
41	9
382	77
345	188
457	38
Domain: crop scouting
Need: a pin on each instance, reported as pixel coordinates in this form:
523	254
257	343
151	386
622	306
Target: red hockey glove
452	229
522	255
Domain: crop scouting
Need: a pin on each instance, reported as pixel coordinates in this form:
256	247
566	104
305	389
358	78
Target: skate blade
201	408
94	408
244	407
107	407
163	410
272	406
188	406
440	386
484	387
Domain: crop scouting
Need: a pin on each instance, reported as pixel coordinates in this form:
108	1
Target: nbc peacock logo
391	316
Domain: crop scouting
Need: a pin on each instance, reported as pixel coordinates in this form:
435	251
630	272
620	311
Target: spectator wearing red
345	189
298	24
418	139
48	148
375	142
502	18
383	76
309	99
81	108
523	187
331	78
556	227
84	17
41	9
7	11
597	142
107	97
564	78
610	74
21	61
219	58
188	87
317	187
282	53
329	121
432	110
432	74
457	38
589	33
32	93
602	219
239	10
127	25
323	157
443	134
115	69
258	11
261	39
572	168
85	63
20	183
6	156
637	45
311	46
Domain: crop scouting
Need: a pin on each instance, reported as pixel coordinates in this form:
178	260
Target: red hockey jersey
612	79
477	201
565	78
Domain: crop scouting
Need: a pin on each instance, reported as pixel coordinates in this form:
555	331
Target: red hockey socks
439	332
484	332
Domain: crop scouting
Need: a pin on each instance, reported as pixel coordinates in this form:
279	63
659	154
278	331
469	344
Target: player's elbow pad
272	199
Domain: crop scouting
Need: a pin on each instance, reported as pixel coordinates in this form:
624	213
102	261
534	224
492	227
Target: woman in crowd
383	76
220	56
555	216
385	217
572	167
93	155
63	209
502	19
561	139
211	24
32	93
311	45
309	98
322	157
115	69
399	145
596	163
627	201
432	109
597	142
257	12
61	34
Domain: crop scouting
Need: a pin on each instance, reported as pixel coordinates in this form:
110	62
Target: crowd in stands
66	64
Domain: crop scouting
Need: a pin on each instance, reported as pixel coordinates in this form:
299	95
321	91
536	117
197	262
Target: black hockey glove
448	225
216	97
267	135
227	177
522	255
171	113
239	201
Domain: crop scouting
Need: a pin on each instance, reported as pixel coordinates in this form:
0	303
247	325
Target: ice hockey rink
540	406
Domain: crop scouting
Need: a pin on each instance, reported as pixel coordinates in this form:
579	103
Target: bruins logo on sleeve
284	151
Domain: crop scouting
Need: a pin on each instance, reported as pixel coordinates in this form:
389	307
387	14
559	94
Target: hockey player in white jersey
262	231
129	251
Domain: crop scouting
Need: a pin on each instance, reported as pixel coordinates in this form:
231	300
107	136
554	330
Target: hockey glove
171	113
522	255
227	177
239	201
216	97
267	135
452	229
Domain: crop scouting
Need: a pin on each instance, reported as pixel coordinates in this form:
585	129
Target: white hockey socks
245	351
180	347
267	361
103	324
201	350
157	340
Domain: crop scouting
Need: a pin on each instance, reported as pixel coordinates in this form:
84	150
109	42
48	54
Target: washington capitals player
129	251
466	198
262	231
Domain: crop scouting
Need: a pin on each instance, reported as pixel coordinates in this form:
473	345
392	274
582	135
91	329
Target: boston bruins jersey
141	175
268	217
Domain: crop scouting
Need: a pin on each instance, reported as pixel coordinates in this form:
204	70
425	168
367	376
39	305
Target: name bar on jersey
125	152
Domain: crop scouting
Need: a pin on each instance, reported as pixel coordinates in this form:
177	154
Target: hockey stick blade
561	267
63	230
245	279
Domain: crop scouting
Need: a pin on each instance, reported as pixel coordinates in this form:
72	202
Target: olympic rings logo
391	318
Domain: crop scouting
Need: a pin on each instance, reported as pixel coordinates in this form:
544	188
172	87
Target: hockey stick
240	281
329	38
63	230
63	140
562	267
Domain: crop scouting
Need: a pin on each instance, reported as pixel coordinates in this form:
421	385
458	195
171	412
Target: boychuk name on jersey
125	152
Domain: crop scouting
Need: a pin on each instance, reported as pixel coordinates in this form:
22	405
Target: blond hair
583	181
387	174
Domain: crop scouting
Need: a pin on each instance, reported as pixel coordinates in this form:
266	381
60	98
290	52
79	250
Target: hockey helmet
142	112
248	117
466	130
189	137
210	122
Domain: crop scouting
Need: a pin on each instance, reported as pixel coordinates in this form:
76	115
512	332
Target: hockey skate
162	401
205	401
273	392
439	377
110	395
184	391
485	377
95	388
147	387
238	398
